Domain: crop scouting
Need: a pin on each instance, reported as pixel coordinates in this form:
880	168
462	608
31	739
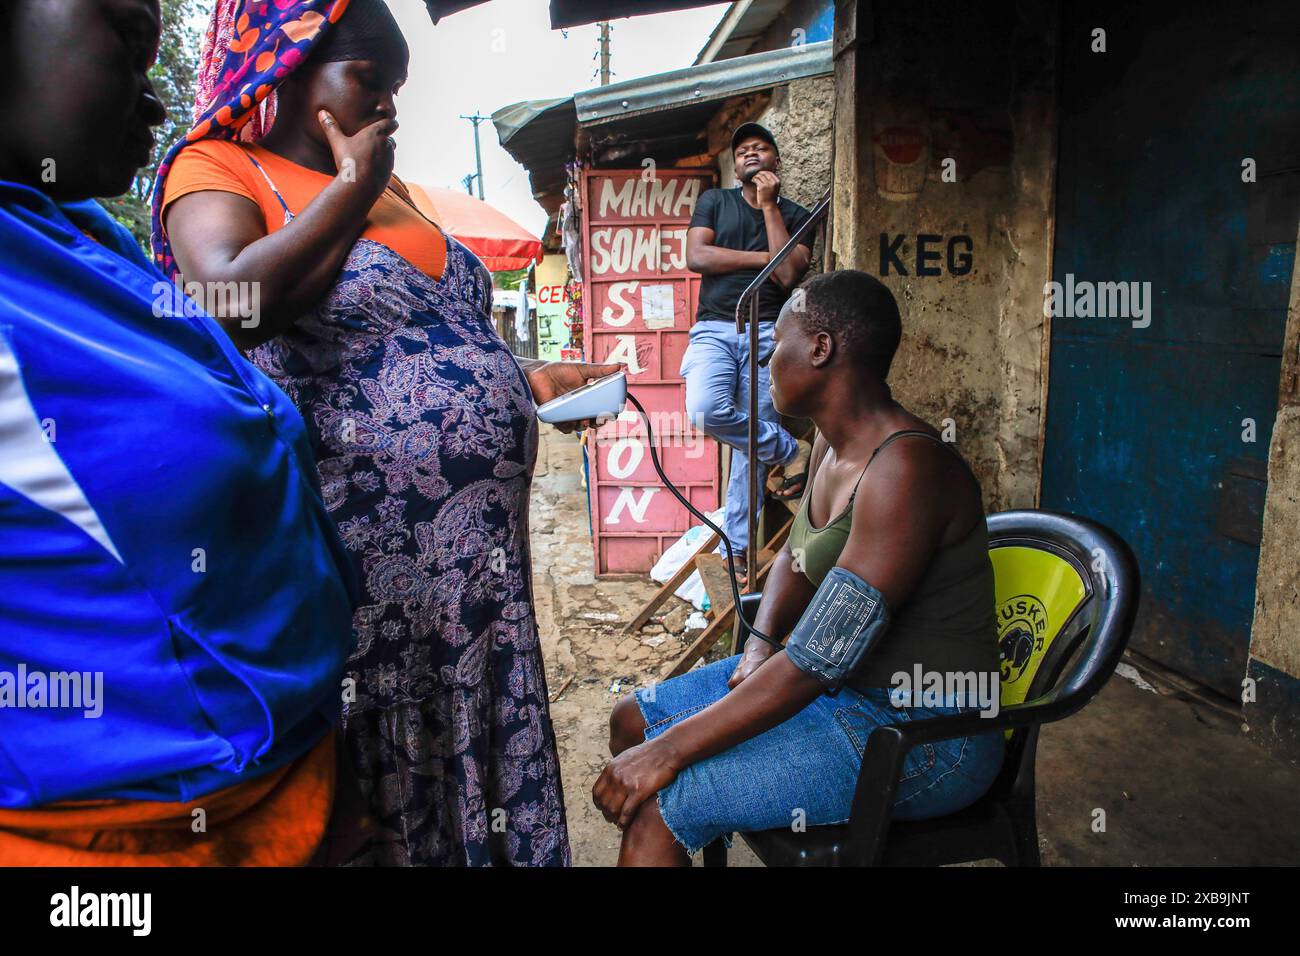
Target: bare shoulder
923	481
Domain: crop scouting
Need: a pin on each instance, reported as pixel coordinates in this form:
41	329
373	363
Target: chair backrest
1062	583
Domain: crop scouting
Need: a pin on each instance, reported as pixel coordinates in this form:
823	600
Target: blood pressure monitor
604	397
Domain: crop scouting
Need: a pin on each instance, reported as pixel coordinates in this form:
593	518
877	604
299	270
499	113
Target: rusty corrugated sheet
705	83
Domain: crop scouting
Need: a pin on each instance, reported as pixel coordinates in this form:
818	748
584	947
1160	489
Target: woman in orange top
378	327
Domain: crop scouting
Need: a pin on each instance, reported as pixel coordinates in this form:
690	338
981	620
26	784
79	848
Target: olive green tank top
947	624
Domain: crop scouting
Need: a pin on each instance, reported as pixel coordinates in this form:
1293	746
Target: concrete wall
976	346
801	116
914	87
1271	701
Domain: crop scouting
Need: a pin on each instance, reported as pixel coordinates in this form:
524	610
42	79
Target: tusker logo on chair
1022	630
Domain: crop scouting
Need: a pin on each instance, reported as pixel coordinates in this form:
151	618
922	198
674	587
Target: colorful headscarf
248	50
368	32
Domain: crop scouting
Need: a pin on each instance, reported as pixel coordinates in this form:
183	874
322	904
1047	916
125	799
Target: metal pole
750	298
478	155
755	485
604	53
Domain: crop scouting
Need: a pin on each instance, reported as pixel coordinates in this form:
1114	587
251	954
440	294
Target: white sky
502	52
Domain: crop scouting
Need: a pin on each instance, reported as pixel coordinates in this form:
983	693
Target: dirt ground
1179	782
589	664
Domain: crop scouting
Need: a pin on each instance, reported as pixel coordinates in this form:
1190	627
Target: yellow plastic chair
1067	595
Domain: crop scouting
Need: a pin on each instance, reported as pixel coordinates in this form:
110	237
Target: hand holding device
606	397
603	397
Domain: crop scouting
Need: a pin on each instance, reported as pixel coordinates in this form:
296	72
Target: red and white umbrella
488	233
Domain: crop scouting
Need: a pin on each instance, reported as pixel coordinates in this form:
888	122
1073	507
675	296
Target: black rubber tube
745	626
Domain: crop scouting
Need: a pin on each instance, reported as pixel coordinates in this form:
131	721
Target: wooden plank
671	585
708	637
713	633
717	582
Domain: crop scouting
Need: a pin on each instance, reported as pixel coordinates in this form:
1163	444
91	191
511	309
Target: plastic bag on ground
681	551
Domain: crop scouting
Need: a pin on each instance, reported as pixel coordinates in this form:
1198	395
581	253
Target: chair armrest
1048	708
749	607
873	798
882	765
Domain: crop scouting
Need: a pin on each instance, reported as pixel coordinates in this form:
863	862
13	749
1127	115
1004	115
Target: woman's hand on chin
632	778
365	159
550	380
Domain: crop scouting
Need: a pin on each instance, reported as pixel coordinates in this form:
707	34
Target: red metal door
639	301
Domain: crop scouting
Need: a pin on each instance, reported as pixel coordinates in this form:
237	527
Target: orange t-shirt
221	165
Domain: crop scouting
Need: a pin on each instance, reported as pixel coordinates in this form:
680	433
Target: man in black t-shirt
732	236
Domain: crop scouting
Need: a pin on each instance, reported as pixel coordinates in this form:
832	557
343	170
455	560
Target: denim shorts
804	771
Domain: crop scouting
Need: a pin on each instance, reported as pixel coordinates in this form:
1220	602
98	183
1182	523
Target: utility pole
478	156
604	52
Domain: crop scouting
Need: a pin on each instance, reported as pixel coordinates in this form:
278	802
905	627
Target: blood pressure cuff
846	618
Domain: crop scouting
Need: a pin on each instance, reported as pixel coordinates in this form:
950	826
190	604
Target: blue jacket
162	533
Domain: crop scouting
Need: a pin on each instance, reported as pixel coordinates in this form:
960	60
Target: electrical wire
744	625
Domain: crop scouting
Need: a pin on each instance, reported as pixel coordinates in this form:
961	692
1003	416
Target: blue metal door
1149	428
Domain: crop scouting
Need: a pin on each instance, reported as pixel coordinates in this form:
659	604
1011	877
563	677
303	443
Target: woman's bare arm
897	527
219	237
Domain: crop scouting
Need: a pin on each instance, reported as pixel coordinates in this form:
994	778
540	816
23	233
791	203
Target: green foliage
132	212
508	278
173	77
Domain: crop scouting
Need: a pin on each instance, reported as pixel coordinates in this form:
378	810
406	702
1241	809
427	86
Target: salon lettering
630	250
656	197
637	306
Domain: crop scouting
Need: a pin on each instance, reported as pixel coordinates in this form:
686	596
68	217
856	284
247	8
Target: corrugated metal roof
704	83
740	29
444	8
511	120
539	135
674	107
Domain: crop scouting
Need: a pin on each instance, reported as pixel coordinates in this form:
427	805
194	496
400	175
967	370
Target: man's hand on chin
553	379
768	185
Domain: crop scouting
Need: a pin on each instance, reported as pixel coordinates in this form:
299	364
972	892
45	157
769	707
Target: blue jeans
804	771
716	369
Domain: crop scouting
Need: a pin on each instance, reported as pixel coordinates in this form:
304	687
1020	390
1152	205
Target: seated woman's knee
626	725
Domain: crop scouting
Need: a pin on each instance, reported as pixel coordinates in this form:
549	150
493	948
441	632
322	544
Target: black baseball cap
746	130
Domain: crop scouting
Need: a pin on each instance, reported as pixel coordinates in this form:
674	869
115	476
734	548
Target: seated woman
174	608
378	326
891	528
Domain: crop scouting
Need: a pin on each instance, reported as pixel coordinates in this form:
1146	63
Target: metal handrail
750	297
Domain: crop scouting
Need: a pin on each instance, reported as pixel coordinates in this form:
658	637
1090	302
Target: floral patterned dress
425	435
